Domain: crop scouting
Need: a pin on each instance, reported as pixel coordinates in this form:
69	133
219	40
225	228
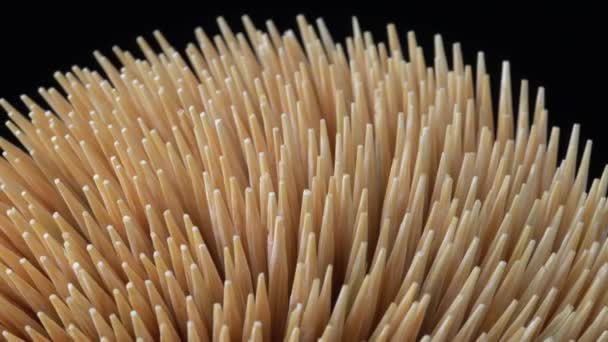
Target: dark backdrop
559	48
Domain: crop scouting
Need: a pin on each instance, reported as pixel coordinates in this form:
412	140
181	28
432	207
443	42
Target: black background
558	48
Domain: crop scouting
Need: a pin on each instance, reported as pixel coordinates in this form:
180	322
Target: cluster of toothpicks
268	186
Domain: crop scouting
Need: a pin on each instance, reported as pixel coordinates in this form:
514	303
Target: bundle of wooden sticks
266	186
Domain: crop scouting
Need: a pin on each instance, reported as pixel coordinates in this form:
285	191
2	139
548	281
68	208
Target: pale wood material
267	187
